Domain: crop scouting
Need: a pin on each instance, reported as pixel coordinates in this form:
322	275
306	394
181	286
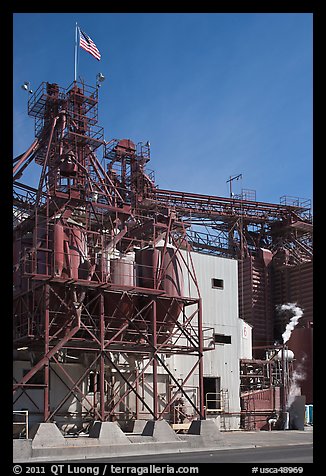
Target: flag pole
76	34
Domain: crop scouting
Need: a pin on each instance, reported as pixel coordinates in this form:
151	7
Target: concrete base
108	433
22	449
106	439
207	429
138	426
84	448
160	430
46	435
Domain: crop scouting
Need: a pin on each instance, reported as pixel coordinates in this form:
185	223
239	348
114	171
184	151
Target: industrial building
136	303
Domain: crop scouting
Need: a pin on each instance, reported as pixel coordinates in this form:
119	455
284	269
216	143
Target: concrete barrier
137	426
22	450
46	435
203	433
160	430
84	448
108	433
106	439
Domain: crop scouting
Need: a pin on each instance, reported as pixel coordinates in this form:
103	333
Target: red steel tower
98	272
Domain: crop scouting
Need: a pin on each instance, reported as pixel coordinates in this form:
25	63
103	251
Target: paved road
295	454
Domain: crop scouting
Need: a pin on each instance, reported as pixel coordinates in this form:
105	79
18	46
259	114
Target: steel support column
200	363
46	351
102	367
154	342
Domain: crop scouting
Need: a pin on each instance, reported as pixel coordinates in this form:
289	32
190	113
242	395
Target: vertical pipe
26	422
34	267
200	366
271	386
46	350
283	380
137	393
47	244
283	387
142	390
154	341
95	391
76	35
102	367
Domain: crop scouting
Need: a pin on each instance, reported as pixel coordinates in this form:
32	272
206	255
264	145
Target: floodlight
27	87
99	79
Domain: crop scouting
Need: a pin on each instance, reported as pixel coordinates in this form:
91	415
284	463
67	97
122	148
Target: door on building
212	389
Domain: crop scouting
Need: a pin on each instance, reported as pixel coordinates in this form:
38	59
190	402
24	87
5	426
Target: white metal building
218	283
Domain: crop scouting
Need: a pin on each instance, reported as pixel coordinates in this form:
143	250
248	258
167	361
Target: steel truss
97	275
58	325
99	255
235	227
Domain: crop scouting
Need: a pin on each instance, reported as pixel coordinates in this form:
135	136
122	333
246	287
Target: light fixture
99	79
72	357
27	87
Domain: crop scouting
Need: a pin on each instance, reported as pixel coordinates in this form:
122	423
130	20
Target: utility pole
234	177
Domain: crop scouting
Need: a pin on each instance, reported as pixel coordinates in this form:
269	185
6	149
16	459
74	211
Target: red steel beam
221	207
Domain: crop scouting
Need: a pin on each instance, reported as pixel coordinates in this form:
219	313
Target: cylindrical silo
119	307
147	261
77	250
59	254
39	233
159	268
170	273
122	270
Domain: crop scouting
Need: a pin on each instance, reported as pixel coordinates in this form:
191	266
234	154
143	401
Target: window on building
222	339
217	283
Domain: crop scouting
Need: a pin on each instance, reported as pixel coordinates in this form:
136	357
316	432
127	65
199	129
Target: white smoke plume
297	377
297	311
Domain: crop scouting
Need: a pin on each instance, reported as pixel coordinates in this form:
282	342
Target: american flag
87	44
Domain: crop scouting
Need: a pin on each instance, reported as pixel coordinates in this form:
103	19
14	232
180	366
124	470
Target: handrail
22	412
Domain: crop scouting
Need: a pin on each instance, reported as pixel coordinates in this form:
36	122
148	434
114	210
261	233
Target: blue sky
215	94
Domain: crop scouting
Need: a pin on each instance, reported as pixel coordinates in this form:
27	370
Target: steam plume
297	377
298	312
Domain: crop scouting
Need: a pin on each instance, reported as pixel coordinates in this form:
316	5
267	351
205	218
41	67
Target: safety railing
216	402
20	423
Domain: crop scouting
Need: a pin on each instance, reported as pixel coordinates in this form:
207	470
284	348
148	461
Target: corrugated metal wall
259	406
255	298
294	284
245	340
220	311
263	286
301	343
